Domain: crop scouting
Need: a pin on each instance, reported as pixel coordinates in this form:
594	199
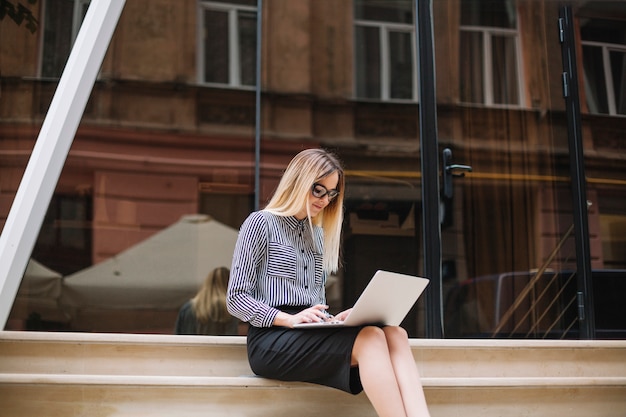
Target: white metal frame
52	146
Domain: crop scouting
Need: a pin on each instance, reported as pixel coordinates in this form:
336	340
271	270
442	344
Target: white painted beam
53	144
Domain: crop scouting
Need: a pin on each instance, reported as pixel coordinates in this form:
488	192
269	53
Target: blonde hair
210	302
292	193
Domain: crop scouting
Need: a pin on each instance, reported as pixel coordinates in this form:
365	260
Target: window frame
487	34
234	46
384	29
77	20
606	48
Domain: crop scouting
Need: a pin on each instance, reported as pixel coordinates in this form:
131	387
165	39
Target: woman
282	257
206	313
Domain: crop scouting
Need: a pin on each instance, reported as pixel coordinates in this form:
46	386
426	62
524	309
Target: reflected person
206	312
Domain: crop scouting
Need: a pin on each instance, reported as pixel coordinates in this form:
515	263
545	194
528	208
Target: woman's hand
317	313
343	315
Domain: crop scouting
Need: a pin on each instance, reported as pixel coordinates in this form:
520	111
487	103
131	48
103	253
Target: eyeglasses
319	191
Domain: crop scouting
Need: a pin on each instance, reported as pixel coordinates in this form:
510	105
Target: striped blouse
275	263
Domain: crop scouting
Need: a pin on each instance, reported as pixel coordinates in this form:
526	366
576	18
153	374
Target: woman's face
317	204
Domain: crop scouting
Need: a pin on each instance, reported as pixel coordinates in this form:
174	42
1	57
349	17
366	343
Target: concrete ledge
225	356
135	375
254	381
161	340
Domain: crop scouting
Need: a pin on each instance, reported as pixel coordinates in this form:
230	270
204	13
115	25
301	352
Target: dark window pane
367	62
216	60
57	37
595	83
504	70
605	31
491	13
401	66
240	2
398	11
471	67
65	240
618	71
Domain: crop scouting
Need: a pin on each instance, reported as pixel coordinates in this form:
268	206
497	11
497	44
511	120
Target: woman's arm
250	249
309	315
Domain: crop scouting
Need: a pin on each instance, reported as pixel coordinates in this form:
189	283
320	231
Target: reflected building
171	125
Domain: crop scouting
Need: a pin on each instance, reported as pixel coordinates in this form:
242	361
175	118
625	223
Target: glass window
604	65
64	243
62	19
384	50
490	13
228	43
489	64
163	169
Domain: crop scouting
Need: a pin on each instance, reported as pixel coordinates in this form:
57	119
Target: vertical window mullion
488	70
233	55
520	71
414	66
384	63
76	19
200	35
608	77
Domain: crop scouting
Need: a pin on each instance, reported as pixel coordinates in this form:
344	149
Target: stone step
147	396
110	354
252	381
83	374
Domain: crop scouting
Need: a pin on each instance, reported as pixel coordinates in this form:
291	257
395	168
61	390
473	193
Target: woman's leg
406	372
378	375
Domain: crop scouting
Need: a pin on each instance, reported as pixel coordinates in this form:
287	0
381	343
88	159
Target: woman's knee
396	333
371	334
397	339
369	340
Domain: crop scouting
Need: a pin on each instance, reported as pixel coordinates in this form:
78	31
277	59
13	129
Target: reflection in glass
401	65
494	13
604	63
618	71
247	51
595	90
216	43
368	63
175	137
489	51
471	68
228	44
61	23
398	11
384	50
504	70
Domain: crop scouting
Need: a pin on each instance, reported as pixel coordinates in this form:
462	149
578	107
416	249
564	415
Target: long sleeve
248	259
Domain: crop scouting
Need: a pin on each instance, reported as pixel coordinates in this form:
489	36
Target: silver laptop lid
387	299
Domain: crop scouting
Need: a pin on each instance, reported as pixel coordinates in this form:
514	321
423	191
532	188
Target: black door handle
450	171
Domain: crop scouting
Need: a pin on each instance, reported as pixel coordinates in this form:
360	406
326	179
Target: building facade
187	88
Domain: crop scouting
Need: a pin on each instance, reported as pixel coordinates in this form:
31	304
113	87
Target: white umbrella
161	272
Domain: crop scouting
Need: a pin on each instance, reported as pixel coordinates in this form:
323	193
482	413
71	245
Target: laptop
386	300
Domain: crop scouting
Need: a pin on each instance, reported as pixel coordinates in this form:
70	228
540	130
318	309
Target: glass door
510	250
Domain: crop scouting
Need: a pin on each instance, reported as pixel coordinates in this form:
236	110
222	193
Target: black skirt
321	356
